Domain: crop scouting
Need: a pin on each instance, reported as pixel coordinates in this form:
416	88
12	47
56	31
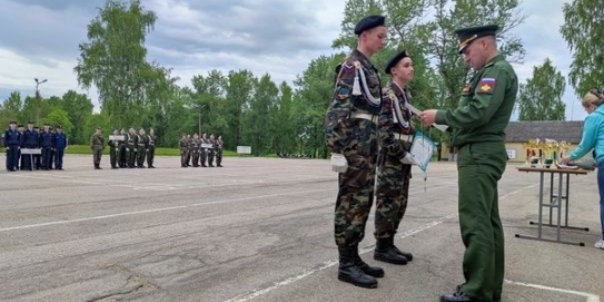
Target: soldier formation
129	149
196	151
30	149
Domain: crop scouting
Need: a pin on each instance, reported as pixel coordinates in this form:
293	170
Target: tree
239	91
207	99
260	115
541	96
59	116
11	109
583	30
114	59
79	109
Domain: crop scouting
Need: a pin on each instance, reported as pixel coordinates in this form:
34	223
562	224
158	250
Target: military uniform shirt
485	106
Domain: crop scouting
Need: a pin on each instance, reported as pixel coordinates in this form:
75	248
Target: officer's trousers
480	166
12	158
150	156
140	159
59	158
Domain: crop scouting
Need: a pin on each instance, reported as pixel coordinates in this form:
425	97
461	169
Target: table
555	201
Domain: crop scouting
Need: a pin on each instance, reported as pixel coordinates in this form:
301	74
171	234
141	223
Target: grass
84	149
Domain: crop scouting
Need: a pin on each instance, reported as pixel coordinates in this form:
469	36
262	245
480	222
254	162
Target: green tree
259	116
59	116
208	96
11	109
583	30
114	59
79	109
239	91
541	97
283	126
314	93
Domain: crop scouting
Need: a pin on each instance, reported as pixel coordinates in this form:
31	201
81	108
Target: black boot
384	252
407	255
373	271
349	272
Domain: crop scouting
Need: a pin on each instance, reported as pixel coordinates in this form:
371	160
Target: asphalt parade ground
261	229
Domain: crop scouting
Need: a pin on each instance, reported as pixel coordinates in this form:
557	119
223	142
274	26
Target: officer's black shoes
455	297
349	272
385	252
407	255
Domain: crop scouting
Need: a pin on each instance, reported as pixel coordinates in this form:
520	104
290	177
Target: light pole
38	99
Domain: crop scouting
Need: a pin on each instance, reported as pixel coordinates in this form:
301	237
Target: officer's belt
403	137
366	116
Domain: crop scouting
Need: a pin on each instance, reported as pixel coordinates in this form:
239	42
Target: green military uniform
183	144
142	149
151	138
351	130
218	145
97	144
132	145
478	133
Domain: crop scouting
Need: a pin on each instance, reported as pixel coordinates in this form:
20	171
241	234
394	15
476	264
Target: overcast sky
39	39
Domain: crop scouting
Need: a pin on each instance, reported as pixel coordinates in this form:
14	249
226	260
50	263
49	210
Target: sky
40	39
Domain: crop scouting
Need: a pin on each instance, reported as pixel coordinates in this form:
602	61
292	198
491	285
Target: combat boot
349	272
373	271
384	252
407	255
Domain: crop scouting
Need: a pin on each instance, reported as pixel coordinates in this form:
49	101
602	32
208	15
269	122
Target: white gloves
409	159
339	163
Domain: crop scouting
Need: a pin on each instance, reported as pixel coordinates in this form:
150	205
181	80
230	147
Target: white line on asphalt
59	222
590	297
331	263
366	249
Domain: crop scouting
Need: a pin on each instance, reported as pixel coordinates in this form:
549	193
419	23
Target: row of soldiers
31	149
128	149
195	151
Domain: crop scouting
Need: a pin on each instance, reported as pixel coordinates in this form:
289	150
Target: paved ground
260	230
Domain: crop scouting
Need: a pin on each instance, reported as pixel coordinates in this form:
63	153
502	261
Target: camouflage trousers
392	193
356	185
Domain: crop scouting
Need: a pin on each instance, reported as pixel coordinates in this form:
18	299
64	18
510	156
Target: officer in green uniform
351	137
393	165
97	144
478	125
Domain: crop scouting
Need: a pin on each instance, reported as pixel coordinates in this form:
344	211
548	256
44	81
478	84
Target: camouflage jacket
394	118
357	90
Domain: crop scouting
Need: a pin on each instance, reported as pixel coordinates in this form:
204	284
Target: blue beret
469	34
369	22
403	54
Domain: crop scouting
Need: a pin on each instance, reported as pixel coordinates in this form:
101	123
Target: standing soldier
478	124
123	147
151	138
131	147
46	138
21	131
393	165
351	137
142	148
114	151
97	144
183	144
204	149
211	143
12	143
31	140
218	147
194	149
59	146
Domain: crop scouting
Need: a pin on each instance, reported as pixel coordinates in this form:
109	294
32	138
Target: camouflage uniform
142	148
203	152
395	135
131	149
351	130
194	149
218	145
97	144
184	151
114	146
211	151
151	138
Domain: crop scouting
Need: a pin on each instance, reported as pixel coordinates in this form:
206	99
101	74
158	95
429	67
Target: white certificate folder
422	149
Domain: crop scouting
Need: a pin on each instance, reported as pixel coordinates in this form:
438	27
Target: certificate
422	149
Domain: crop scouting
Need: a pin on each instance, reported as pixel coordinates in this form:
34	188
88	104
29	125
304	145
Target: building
518	133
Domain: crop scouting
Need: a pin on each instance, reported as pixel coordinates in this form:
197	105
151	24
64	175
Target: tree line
252	110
